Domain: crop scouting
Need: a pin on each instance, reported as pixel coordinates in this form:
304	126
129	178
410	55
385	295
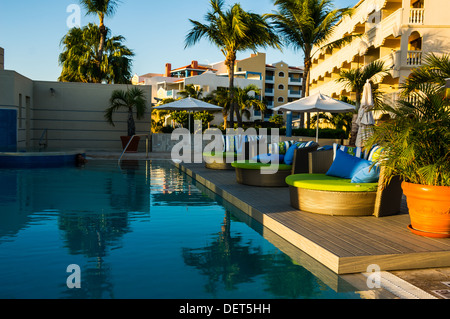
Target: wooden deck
345	245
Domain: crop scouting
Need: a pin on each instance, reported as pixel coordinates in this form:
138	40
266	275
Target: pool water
142	230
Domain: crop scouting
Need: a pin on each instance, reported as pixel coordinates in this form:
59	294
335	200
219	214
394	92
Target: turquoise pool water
144	230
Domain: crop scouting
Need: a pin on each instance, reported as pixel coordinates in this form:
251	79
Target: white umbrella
316	103
365	119
189	104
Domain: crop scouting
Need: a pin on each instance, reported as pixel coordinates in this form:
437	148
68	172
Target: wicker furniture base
216	165
333	202
254	177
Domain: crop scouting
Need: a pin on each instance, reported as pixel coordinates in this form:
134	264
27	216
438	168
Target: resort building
279	83
398	32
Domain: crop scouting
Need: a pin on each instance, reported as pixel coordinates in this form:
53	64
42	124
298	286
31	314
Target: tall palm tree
354	80
102	8
233	30
304	24
79	57
132	100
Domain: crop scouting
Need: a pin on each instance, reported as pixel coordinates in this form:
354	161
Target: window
281	87
281	99
281	74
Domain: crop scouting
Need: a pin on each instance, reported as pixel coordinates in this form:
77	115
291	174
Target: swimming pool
144	230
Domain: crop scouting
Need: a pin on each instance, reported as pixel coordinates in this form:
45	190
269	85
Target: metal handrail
126	147
44	134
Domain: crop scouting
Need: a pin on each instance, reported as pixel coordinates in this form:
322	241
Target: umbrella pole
317	128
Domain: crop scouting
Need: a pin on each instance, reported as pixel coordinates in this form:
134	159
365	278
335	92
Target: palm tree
246	102
221	97
192	91
304	24
354	80
434	69
79	57
131	100
232	31
102	8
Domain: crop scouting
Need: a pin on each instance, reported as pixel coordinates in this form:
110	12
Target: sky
31	32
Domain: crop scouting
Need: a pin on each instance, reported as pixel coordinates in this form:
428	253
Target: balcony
295	93
414	58
270	78
297	81
390	26
416	16
269	91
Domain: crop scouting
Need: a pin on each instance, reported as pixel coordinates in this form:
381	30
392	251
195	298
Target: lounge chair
249	171
319	193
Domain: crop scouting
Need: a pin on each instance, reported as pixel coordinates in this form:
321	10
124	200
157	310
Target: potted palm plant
132	100
417	148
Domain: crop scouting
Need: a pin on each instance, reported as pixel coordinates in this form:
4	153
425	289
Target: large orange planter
429	209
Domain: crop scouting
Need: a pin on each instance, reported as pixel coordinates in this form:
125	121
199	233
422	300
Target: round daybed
219	160
329	195
249	173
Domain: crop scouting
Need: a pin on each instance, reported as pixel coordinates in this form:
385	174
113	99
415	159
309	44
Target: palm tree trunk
305	91
231	93
355	126
230	62
103	33
130	123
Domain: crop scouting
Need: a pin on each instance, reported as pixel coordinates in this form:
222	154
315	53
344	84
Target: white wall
73	115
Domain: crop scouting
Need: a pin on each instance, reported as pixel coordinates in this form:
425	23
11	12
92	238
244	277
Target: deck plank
343	244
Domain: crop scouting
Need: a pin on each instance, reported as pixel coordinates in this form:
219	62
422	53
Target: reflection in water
229	261
139	231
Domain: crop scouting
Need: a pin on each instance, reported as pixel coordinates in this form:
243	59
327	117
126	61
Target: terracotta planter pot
429	209
133	147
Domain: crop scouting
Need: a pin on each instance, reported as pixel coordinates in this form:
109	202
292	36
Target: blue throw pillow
367	175
289	156
346	165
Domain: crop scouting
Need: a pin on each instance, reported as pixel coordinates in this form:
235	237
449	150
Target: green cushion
328	183
258	165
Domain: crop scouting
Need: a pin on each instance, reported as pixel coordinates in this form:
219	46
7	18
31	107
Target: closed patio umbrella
189	104
365	119
316	103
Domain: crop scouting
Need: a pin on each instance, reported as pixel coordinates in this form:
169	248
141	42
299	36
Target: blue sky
31	31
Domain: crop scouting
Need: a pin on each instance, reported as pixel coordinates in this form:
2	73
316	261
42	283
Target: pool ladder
126	147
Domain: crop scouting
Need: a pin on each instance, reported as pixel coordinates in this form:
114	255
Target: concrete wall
72	114
16	92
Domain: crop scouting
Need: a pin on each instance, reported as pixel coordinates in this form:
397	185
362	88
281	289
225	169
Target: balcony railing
414	58
416	16
295	80
295	92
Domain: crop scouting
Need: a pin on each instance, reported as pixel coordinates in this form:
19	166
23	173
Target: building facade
279	83
398	32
